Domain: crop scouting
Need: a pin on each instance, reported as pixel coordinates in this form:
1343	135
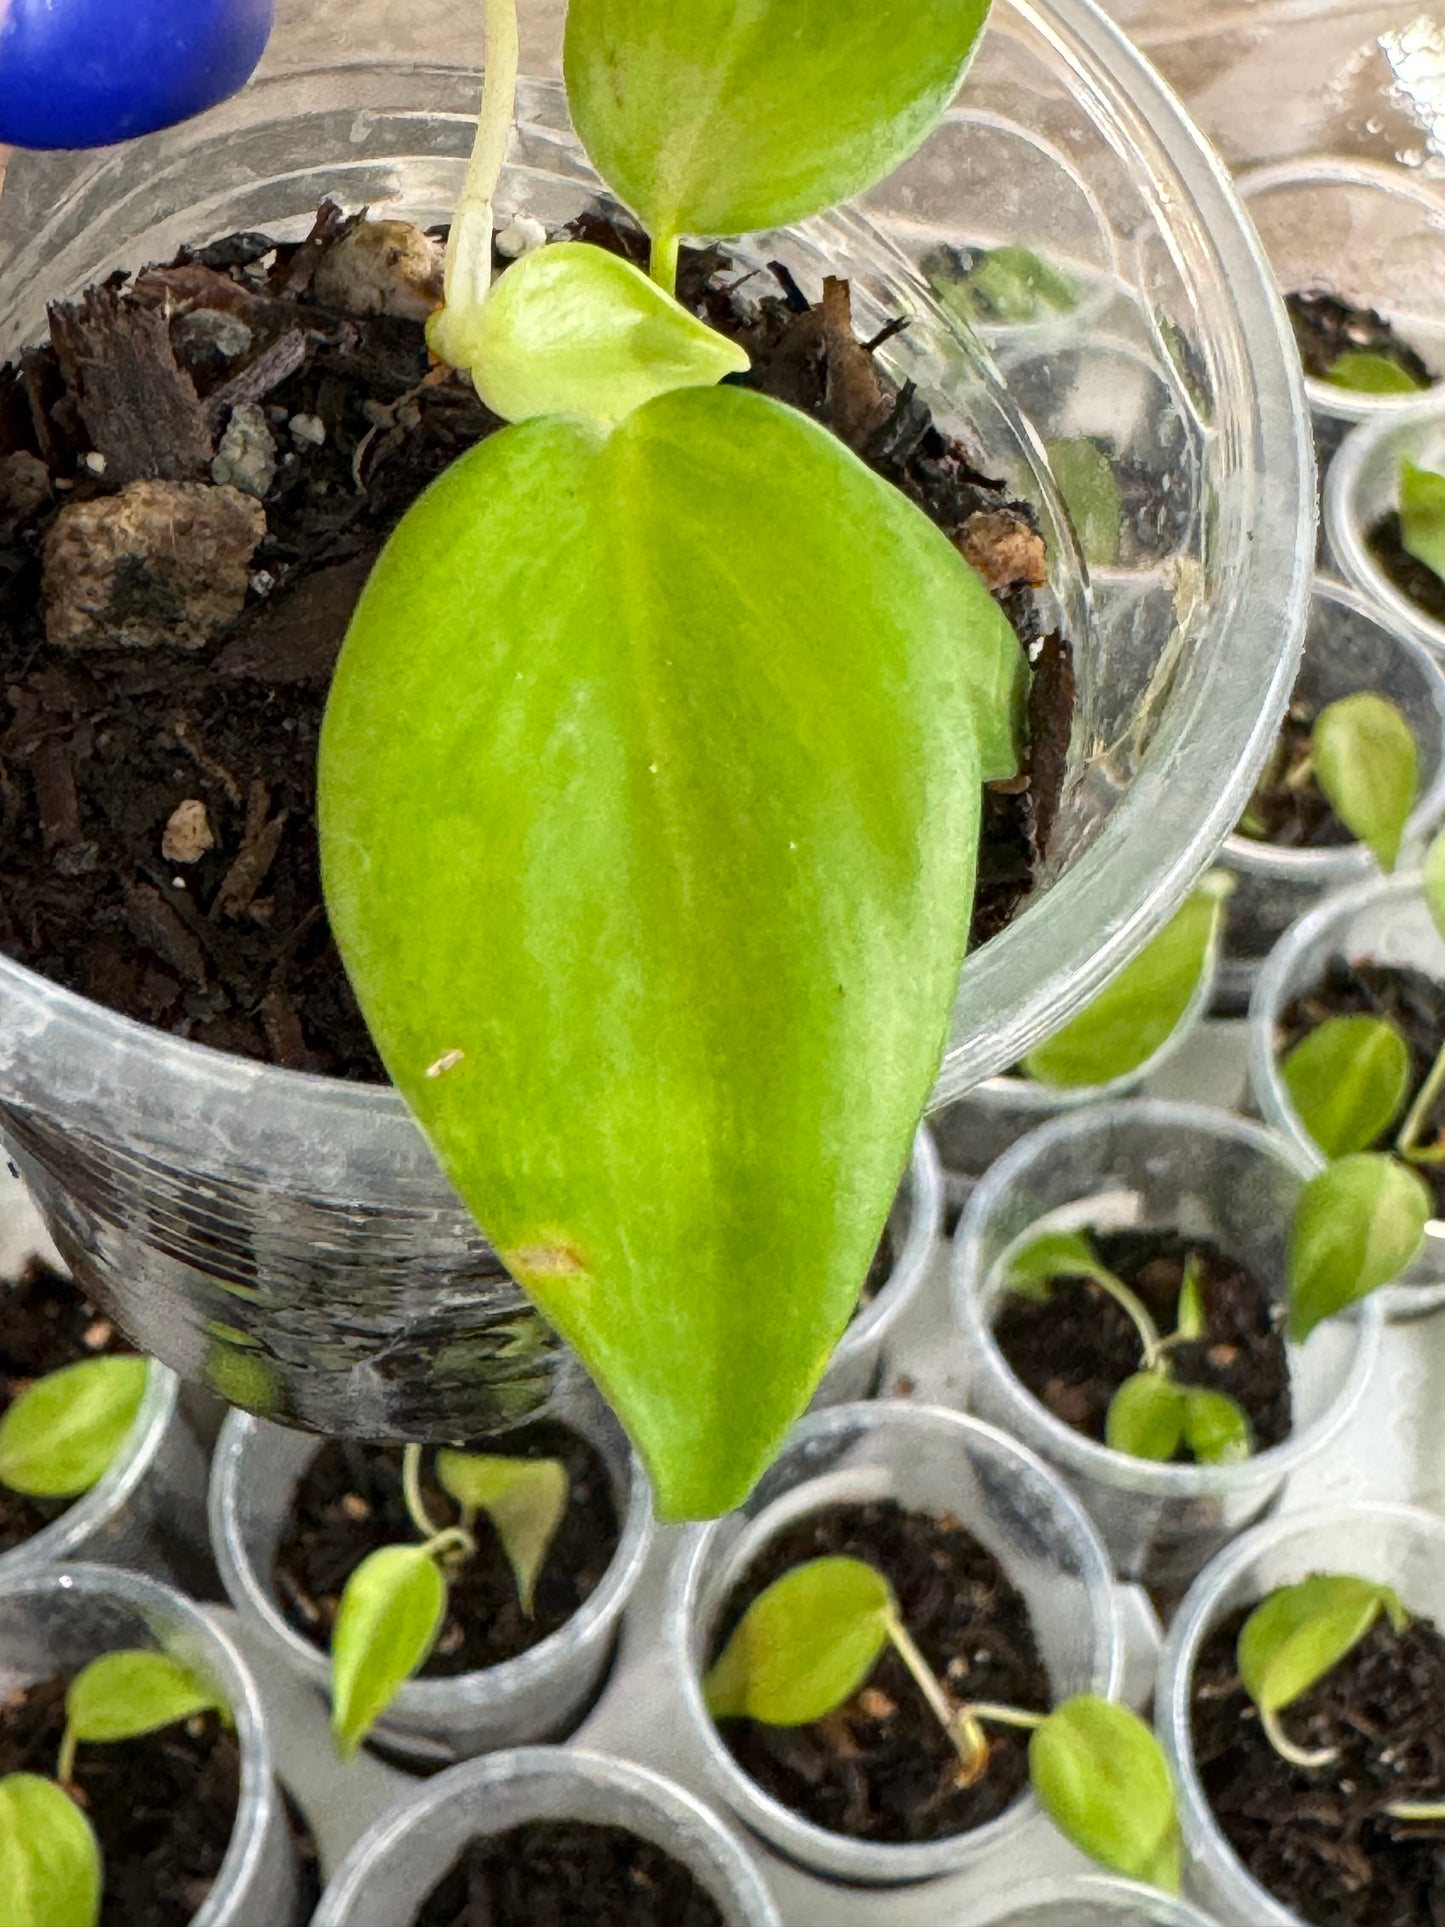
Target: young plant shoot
1349	1083
393	1605
1366	373
64	1432
50	1861
810	1642
1295	1638
1422	515
1362	757
655	916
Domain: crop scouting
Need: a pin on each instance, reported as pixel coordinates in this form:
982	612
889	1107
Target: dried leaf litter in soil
45	1325
567	1873
1320	1841
1075	1350
881	1768
1407	998
349	1503
112	759
162	1807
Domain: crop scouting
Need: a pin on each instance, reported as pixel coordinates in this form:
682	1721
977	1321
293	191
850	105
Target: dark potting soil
156	802
1320	1840
567	1873
1409	999
1325	327
349	1503
881	1768
1074	1351
45	1324
1286	810
162	1807
1410	576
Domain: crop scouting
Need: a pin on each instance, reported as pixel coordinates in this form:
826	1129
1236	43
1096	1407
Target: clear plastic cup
1147	1163
56	1619
1399	1545
387	1875
1363	484
535	1696
1385	920
927	1460
289	1240
1089	1900
1348	648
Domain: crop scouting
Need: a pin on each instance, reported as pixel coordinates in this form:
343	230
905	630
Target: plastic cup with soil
292	1518
999	1576
1371	951
237	1174
1296	850
1160	1189
191	1827
1086	1900
132	1514
540	1834
1281	1845
1362	518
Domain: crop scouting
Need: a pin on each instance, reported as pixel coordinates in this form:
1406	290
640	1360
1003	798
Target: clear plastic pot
387	1875
56	1619
1347	648
289	1239
1090	1900
1399	1545
535	1696
1387	922
1205	1173
1364	484
928	1460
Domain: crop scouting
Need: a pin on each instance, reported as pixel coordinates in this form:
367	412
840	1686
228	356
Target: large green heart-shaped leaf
1368	768
1301	1632
64	1432
804	1646
648	827
723	116
123	1695
1348	1081
1357	1226
1101	1776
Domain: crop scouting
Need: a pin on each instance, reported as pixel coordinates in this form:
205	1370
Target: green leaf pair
1133	1015
62	1435
1300	1633
1151	1417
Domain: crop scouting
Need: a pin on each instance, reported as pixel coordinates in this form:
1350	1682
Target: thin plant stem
65	1764
425	1524
990	1711
1425	1810
1296	1755
967	1744
453	1539
469	248
1136	1311
662	265
1424	1103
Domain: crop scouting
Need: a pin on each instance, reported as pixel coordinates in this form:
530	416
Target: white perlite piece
523	234
382	267
307	428
187	835
246	458
161	562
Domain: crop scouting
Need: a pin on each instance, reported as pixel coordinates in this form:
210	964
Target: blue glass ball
84	73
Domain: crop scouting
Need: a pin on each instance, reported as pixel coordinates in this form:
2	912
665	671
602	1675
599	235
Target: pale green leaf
1190	1321
1357	1226
1146	1417
1134	1014
1368	770
1433	881
1054	1254
1348	1081
390	1614
525	1499
123	1695
574	330
724	116
62	1435
1296	1635
1085	478
1010	285
804	1646
1216	1427
1422	515
624	863
1369	374
1101	1776
50	1874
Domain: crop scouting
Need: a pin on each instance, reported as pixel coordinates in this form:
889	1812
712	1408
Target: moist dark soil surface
1320	1841
350	1503
1325	327
1411	577
162	1807
1074	1351
1409	999
880	1768
45	1324
156	802
567	1873
1286	811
